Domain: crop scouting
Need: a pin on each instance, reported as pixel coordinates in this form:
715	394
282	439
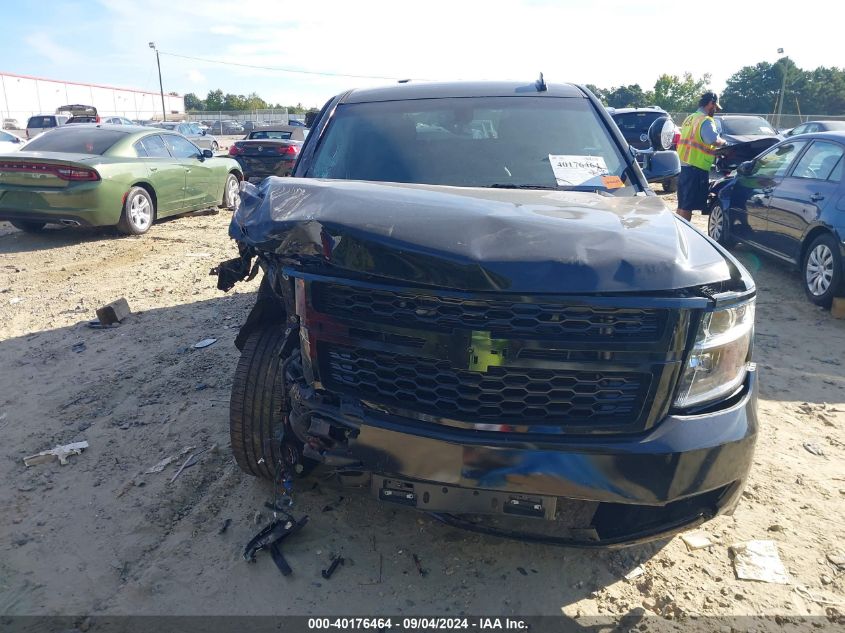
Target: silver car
193	133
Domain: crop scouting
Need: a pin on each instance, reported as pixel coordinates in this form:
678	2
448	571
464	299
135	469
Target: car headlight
718	362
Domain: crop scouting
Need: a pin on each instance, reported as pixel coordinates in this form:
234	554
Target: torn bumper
681	472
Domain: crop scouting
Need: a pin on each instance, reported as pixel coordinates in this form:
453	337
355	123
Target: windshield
542	142
75	140
746	126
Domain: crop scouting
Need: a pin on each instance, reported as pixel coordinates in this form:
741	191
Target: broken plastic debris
205	343
636	572
814	448
758	560
696	540
167	461
62	452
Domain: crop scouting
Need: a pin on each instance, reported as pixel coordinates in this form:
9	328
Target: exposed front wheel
214	146
231	193
718	226
258	406
28	226
138	212
822	270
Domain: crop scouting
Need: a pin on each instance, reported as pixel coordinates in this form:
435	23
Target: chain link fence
784	122
271	116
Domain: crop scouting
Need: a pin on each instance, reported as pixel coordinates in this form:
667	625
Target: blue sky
605	43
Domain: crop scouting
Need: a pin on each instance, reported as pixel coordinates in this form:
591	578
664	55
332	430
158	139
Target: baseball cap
709	97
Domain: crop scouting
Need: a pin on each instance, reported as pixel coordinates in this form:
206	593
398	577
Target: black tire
228	203
137	219
670	185
258	405
28	226
719	226
214	146
821	270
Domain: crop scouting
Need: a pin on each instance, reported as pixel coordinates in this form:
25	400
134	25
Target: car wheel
822	270
258	407
670	185
28	226
138	212
214	146
718	226
231	193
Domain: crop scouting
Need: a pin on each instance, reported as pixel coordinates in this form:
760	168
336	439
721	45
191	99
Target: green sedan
112	175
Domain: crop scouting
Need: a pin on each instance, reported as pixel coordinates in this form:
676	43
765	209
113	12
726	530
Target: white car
10	142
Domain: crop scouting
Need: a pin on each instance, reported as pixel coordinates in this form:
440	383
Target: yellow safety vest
691	148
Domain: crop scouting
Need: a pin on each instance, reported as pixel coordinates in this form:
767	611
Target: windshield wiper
508	185
589	189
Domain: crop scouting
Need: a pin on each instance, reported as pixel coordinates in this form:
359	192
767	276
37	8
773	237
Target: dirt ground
99	536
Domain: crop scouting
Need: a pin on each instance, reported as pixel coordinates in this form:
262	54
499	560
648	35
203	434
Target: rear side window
819	161
41	121
76	140
154	145
179	147
140	151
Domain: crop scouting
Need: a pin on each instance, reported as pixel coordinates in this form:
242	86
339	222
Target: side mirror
660	133
745	169
207	153
661	165
202	132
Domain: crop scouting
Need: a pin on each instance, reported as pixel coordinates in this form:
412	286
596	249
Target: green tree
754	88
214	100
676	94
601	94
631	96
234	102
193	102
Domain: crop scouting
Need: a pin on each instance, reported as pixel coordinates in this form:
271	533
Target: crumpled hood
526	241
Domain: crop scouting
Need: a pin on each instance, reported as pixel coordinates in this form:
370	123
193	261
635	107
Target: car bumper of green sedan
78	204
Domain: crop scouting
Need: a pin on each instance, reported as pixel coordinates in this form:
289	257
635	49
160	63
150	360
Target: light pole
782	88
160	85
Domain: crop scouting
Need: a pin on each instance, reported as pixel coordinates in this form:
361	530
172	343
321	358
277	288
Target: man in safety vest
697	151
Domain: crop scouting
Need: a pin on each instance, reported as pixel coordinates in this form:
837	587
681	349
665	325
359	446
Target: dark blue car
790	202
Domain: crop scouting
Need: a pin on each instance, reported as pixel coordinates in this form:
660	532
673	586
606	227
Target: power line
285	70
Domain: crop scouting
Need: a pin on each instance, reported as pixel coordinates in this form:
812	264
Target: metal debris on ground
96	325
636	572
331	507
336	561
820	600
204	343
270	537
114	312
758	560
696	540
167	461
62	452
418	564
814	448
191	461
225	526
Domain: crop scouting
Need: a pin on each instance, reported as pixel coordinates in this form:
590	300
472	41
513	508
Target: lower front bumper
683	471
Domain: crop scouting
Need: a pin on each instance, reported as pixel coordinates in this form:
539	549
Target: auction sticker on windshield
578	170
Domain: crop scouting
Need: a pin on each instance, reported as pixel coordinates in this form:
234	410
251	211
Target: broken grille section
501	318
502	395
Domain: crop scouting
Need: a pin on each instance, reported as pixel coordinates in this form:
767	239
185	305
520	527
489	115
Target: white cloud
196	77
44	45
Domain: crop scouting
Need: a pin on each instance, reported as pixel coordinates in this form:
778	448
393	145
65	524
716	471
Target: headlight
717	364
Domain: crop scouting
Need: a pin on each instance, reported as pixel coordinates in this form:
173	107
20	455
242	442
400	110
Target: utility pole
160	85
782	88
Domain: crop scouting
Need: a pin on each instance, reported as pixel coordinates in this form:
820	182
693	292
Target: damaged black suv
472	300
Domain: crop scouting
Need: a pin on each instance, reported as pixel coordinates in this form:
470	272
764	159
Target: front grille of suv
536	364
